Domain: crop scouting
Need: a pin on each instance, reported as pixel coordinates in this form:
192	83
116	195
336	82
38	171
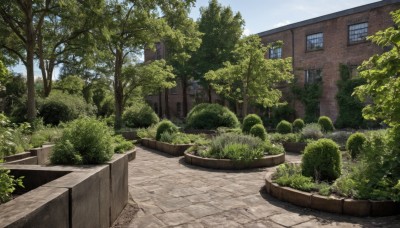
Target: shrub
8	184
322	160
354	144
138	116
340	137
258	130
211	116
60	107
312	131
326	124
13	138
290	175
249	121
47	134
279	138
121	145
284	127
298	125
165	126
149	132
84	141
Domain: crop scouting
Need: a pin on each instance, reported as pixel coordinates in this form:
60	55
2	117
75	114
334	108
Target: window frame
275	55
314	49
349	41
307	80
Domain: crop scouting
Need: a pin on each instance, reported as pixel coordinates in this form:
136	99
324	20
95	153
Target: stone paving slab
171	193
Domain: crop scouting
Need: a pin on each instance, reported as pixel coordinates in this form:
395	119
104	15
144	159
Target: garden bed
294	147
65	196
343	206
266	161
172	149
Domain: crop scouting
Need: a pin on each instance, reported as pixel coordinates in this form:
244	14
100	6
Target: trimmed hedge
139	116
165	126
210	117
354	144
322	160
326	124
298	125
259	131
249	121
284	127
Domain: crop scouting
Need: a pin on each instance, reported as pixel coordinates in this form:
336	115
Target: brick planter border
361	208
294	147
212	163
172	149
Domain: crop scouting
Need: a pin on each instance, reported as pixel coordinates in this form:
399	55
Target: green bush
13	138
211	116
61	107
121	145
312	131
280	138
47	134
298	125
354	144
138	116
84	141
322	160
8	184
165	126
182	138
249	121
284	127
340	137
289	175
258	130
326	124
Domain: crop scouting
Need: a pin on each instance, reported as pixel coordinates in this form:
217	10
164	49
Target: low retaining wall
212	163
294	147
35	156
172	149
343	206
75	196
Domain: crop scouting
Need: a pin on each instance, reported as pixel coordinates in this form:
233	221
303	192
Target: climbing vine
310	96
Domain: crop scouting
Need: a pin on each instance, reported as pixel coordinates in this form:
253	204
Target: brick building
318	46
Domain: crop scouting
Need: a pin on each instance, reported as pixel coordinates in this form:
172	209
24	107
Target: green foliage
281	138
165	126
139	116
298	125
322	160
310	96
149	132
350	107
251	78
211	116
13	138
249	121
340	137
326	124
121	145
290	175
354	144
284	127
182	138
47	134
71	84
258	130
381	74
61	107
281	112
84	141
8	184
312	131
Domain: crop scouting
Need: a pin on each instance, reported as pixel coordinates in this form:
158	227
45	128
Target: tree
72	85
221	30
382	75
252	78
4	76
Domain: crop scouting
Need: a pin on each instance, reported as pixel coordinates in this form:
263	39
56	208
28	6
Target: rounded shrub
354	144
84	141
322	160
249	121
258	130
62	107
298	125
211	116
284	127
165	126
139	116
326	124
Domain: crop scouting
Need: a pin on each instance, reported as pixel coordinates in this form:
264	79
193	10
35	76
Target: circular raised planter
172	149
266	161
294	147
343	206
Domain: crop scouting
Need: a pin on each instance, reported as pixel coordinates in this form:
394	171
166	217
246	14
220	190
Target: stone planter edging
172	149
294	147
212	163
361	208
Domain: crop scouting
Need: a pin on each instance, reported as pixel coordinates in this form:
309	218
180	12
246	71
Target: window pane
358	32
315	41
275	52
313	76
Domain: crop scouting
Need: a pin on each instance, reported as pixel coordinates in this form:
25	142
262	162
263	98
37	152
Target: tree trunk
184	97
166	99
209	94
118	89
245	105
30	51
160	109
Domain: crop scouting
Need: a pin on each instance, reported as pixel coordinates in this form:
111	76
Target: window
358	32
313	76
315	42
275	52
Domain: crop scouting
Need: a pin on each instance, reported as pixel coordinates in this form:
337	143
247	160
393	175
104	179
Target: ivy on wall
310	96
350	107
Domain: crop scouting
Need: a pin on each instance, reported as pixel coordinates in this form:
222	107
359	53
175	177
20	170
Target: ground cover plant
8	184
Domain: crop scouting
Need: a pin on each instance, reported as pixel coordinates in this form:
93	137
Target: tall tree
252	78
221	30
382	75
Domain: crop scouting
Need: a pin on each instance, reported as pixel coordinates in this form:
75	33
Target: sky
263	15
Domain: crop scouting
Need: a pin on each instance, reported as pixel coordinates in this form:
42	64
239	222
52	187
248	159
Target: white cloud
246	32
282	23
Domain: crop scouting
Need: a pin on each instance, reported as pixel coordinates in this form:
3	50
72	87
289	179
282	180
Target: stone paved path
170	193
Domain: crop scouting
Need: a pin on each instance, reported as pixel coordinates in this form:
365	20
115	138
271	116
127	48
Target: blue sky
262	15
